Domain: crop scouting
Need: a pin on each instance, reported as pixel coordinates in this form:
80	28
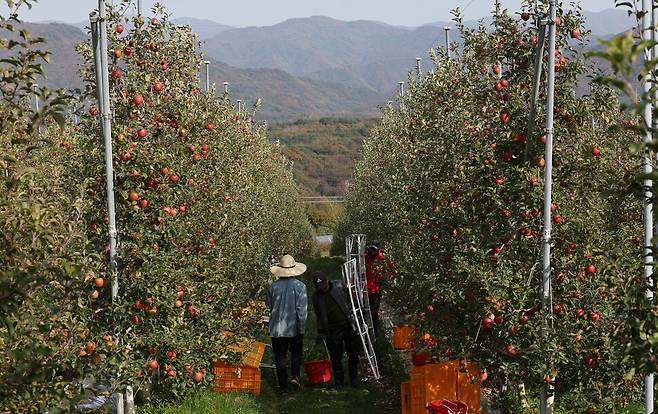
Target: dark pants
281	346
348	341
375	299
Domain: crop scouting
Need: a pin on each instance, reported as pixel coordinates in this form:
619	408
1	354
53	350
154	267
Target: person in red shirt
376	266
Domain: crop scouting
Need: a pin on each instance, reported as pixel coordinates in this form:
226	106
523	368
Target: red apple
119	29
553	207
558	20
143	203
496	69
591	269
138	100
173	178
557	219
116	73
155	21
210	126
511	350
93	111
487	322
504	83
125	156
499	180
525	16
533	40
504	117
558	308
158	86
499	319
164	170
594	316
142	133
596	151
575	34
133	196
520	137
498	87
580	312
118	53
542	139
99	282
198	376
153	364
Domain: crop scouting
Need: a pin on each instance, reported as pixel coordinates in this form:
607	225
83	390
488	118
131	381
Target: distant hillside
360	54
315	45
63	67
204	28
286	97
323	151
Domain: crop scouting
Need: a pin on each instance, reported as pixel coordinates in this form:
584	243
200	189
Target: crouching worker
335	326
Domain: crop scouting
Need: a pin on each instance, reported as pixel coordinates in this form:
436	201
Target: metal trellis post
447	30
207	64
647	26
546	292
99	39
418	68
226	87
539	54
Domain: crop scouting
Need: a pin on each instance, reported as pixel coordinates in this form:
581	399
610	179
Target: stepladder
350	275
355	248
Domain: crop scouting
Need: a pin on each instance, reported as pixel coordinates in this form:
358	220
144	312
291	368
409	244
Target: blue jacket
287	301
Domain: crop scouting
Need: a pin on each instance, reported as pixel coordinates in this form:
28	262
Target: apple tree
452	182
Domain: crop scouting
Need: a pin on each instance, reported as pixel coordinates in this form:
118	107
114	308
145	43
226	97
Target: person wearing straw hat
287	302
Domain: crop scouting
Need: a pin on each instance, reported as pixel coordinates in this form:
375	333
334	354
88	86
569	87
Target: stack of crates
243	377
445	381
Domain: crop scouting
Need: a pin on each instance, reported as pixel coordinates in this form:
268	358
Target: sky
268	12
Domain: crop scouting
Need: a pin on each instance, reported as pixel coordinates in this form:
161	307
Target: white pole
418	68
401	88
447	30
547	311
539	53
226	87
239	105
207	63
647	26
139	8
99	34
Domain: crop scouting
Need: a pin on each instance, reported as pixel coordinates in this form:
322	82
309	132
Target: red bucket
419	358
447	407
318	372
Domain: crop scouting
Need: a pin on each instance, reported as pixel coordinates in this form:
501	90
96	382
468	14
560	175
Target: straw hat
287	267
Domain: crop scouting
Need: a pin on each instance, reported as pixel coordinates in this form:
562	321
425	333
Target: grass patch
207	402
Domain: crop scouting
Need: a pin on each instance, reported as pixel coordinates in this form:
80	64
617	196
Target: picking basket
229	378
